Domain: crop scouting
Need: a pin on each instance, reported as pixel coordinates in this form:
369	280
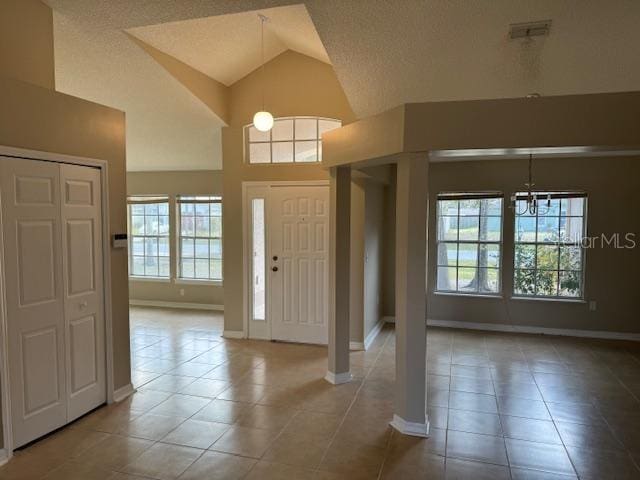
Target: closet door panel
83	288
31	229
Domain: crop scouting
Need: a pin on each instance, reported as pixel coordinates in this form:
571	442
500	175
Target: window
200	240
291	140
149	237
259	259
469	240
549	257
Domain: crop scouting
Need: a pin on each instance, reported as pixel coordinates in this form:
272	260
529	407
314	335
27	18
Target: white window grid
199	229
149	251
560	243
296	156
479	243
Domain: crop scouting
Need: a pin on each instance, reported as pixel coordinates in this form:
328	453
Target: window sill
194	281
550	299
495	296
282	163
149	279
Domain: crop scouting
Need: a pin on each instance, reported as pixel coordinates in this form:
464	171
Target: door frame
247	247
7	451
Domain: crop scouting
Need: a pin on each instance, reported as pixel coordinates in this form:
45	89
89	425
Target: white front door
298	264
52	257
83	291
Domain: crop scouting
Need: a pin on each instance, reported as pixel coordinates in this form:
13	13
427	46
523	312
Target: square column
339	275
410	415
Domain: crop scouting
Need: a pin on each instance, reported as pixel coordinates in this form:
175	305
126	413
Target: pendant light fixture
263	120
533	200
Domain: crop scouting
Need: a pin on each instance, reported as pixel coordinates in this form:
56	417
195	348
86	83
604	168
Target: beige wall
37	118
294	85
357	279
374	254
366	256
611	279
26	42
389	242
612	185
605	122
205	182
606	119
379	136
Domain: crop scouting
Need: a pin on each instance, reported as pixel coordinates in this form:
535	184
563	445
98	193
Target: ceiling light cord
264	76
263	120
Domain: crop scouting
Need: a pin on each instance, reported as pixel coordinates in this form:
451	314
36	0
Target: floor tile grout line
353	400
564	446
446	429
504	441
202	451
558	348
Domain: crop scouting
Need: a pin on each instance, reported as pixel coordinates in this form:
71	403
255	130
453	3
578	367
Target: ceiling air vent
529	29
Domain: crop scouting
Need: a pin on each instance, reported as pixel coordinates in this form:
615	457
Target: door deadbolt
275	258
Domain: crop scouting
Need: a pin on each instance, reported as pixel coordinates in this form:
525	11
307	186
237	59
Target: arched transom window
291	140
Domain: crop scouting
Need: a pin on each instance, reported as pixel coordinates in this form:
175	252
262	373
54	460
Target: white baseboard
189	306
357	346
4	457
410	428
338	378
233	334
123	392
377	328
389	319
565	332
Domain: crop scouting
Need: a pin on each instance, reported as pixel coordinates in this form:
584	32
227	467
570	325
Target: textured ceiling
227	47
168	128
389	52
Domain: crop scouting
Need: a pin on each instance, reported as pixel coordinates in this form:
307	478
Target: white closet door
33	272
299	263
83	289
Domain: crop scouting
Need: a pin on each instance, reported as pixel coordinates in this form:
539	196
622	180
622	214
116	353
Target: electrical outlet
182	292
592	306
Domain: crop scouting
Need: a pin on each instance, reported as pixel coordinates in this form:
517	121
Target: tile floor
500	406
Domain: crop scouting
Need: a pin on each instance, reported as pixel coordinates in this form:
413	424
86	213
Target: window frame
459	196
195	199
558	244
247	141
146	200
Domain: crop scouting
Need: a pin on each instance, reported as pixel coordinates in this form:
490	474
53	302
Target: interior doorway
286	251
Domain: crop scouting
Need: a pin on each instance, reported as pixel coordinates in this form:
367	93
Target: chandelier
533	199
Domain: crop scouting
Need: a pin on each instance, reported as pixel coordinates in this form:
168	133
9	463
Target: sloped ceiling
389	52
386	53
228	47
168	128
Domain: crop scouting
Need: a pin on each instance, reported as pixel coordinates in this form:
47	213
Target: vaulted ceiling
228	47
384	52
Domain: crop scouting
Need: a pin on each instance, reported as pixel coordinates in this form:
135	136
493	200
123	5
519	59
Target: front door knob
275	269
